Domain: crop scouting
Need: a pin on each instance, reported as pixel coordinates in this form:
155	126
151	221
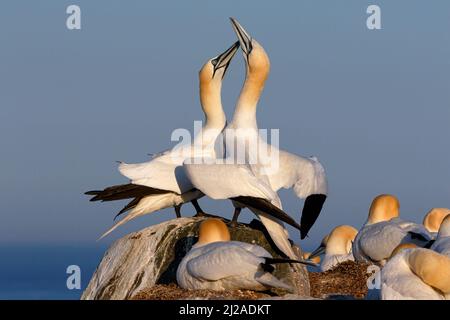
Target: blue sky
372	105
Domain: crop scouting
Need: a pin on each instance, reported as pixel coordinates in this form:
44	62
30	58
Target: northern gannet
216	263
161	182
283	169
415	274
384	231
433	219
238	183
442	242
337	246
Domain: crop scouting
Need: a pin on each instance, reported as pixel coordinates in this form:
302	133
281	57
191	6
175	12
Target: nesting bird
216	263
337	247
413	273
384	231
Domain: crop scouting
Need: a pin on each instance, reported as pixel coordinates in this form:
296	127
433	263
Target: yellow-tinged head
384	208
433	219
433	268
213	230
340	240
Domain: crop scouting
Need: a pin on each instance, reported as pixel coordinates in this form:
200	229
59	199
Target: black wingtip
271	261
429	244
266	206
418	236
92	193
311	210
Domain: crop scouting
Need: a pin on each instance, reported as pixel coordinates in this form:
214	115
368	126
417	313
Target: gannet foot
200	212
234	221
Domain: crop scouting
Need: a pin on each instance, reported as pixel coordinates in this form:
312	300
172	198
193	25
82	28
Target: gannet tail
123	191
270	280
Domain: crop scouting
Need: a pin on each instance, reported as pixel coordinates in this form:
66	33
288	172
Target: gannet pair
337	247
256	179
216	263
161	182
414	273
384	231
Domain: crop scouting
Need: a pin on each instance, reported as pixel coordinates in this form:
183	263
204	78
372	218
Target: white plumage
337	246
226	266
442	242
375	242
384	231
216	263
400	282
164	173
228	181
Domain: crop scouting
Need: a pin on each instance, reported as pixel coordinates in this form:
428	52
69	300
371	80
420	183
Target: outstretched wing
226	181
163	172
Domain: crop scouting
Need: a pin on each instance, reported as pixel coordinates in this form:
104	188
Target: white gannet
384	230
283	169
337	246
433	219
216	263
415	274
442	242
161	182
238	183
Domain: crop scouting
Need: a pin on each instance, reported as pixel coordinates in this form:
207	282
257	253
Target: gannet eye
214	62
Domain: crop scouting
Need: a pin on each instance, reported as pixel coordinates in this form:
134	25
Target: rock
151	256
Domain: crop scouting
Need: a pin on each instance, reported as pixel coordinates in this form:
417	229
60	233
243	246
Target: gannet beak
311	210
244	38
319	251
223	60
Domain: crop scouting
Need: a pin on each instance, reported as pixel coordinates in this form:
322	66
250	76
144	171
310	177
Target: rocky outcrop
151	256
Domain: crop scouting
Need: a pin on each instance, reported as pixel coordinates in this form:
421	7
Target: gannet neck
211	100
340	240
258	68
383	208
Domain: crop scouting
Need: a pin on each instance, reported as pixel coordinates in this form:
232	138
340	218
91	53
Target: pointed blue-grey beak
223	60
318	252
243	36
